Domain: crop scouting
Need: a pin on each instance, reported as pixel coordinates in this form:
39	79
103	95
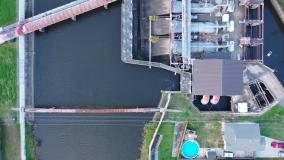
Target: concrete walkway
21	80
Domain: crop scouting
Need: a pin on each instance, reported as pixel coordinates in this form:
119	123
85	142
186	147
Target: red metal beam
54	110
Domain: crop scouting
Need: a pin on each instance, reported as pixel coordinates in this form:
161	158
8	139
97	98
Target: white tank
202	8
203	47
204	27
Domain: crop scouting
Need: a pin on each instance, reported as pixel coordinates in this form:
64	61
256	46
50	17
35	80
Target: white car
228	154
281	153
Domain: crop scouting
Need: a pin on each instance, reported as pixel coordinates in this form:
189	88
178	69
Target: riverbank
10	128
278	5
31	143
9	131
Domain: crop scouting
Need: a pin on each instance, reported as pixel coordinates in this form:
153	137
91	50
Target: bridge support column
42	30
74	18
106	6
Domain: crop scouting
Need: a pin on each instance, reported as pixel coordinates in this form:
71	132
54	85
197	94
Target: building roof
217	77
243	137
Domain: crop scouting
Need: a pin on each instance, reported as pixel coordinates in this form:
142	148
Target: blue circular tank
190	149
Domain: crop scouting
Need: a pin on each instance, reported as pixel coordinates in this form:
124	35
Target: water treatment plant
93	59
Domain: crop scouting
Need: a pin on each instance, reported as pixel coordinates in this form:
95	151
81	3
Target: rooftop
217	77
243	137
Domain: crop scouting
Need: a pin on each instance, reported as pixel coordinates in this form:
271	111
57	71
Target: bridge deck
53	110
48	18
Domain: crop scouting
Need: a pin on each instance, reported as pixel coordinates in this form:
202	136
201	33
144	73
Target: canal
274	42
78	64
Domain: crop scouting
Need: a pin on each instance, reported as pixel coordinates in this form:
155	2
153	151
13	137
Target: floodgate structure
218	44
215	46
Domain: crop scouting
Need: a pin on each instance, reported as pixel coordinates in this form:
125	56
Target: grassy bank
30	143
9	130
7	12
149	130
10	137
8	89
165	149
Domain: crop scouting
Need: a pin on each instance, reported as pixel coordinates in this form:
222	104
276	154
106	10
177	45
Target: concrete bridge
40	21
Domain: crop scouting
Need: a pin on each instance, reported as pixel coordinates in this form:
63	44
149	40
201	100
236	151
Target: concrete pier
127	48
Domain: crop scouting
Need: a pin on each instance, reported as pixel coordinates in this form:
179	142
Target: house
243	137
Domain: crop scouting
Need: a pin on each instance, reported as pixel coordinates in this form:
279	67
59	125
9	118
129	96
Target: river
274	41
78	64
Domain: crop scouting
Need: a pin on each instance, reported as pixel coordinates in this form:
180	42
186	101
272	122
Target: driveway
268	152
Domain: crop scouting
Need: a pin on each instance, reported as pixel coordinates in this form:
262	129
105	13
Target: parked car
277	145
281	154
228	154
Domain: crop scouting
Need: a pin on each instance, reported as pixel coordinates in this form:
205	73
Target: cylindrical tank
202	8
204	27
177	7
177	26
203	47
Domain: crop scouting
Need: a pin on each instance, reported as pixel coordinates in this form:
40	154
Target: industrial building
213	40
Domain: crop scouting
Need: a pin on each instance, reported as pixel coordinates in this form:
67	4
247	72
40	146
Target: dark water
90	137
274	41
78	64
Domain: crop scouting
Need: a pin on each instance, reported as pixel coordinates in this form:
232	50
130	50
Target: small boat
215	100
205	99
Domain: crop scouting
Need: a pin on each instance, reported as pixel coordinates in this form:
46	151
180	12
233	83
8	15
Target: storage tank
177	7
204	27
202	7
203	46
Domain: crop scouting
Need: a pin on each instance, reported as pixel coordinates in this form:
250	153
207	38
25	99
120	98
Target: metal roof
217	77
243	136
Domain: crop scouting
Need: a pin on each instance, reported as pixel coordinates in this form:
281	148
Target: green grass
209	134
165	148
10	137
149	130
189	113
7	12
9	130
271	123
8	87
30	143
